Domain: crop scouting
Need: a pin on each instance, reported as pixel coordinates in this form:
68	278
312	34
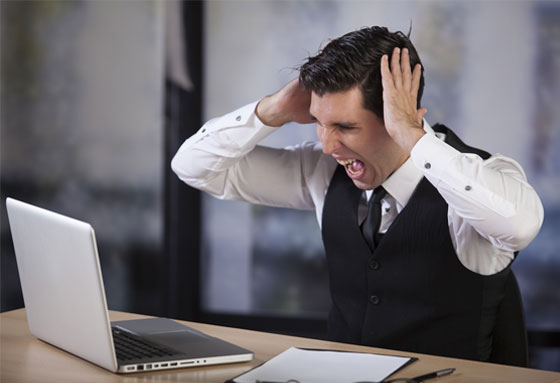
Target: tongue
356	166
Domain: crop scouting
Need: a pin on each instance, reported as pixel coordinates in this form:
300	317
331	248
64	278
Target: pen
417	379
435	374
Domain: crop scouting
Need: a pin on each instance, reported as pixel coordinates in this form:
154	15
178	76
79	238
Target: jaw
362	185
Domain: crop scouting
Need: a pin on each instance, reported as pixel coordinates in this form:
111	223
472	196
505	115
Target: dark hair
355	59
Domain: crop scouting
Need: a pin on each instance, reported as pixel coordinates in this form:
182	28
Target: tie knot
378	194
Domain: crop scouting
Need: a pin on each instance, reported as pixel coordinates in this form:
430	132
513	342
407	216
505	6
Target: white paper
316	366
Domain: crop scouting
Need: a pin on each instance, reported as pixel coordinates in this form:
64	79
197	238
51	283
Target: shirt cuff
239	130
431	155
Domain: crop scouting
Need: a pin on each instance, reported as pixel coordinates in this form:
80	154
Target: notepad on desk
325	366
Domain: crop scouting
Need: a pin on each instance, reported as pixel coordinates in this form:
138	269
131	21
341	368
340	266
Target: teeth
346	162
349	165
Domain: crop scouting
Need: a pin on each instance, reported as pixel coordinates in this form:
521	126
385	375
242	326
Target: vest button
373	265
374	299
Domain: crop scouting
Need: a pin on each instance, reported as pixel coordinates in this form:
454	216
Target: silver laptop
65	302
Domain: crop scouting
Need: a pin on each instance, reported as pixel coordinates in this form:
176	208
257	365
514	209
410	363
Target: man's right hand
289	104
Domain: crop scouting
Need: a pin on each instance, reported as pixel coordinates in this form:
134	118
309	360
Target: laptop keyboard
129	346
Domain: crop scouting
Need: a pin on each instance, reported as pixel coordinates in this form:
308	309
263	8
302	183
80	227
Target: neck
399	159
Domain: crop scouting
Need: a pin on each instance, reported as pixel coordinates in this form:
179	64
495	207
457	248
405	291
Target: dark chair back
509	339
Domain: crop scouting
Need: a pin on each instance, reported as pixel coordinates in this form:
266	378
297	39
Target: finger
405	68
396	68
386	76
416	75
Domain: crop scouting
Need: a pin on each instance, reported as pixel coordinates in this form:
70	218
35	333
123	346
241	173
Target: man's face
355	137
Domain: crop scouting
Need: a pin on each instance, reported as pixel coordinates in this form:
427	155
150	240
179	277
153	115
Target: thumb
420	113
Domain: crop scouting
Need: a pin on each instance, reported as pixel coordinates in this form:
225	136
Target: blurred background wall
83	133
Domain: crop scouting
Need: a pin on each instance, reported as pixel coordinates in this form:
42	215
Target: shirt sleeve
492	196
224	160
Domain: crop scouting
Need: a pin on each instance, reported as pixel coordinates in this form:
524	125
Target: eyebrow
341	124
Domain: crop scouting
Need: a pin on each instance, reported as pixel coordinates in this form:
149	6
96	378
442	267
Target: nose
329	139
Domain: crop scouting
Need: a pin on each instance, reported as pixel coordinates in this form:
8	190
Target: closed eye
345	126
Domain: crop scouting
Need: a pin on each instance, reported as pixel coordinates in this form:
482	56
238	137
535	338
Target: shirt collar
402	183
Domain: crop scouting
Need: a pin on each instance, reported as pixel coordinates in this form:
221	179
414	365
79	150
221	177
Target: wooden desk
23	358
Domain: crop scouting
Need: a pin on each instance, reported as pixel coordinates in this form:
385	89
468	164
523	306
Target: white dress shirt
492	212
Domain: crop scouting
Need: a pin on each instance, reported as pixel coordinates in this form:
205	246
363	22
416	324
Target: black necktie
370	227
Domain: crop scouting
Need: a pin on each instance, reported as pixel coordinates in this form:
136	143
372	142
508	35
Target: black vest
412	293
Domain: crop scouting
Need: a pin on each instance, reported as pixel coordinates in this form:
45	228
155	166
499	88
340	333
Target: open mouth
353	167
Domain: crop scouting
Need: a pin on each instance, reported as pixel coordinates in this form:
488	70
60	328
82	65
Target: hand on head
403	120
289	104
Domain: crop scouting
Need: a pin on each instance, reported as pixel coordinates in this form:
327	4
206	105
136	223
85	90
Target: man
429	274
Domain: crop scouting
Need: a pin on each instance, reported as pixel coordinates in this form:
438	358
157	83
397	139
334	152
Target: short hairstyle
355	59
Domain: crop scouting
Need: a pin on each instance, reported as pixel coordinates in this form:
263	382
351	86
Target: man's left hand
403	120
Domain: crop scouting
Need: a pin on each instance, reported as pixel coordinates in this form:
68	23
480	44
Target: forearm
224	160
492	195
218	146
